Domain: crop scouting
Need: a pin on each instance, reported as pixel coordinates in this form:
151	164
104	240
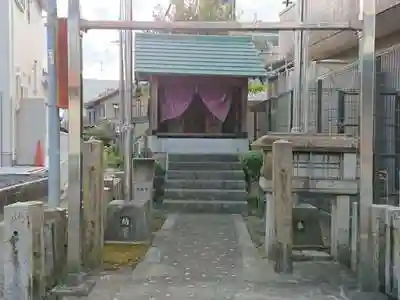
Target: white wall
22	45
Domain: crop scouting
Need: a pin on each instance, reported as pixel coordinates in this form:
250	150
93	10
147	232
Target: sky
100	50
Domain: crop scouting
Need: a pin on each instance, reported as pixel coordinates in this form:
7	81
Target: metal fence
334	109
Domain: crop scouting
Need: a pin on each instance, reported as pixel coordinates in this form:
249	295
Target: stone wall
27	191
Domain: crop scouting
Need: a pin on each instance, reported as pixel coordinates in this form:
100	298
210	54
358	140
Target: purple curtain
217	99
179	90
175	101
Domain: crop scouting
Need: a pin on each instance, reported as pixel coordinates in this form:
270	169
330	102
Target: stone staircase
205	183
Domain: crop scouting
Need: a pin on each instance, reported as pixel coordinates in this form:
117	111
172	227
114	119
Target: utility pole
128	93
53	124
298	69
305	76
121	80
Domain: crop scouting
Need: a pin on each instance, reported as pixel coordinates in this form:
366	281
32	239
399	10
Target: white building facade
22	49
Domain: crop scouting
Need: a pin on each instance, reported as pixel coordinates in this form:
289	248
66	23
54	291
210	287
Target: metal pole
53	124
121	80
128	143
217	26
305	70
233	10
74	138
298	70
367	102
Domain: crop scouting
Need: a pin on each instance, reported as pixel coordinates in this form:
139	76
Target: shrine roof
189	54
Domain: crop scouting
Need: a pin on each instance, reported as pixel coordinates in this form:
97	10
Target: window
101	111
116	110
92	116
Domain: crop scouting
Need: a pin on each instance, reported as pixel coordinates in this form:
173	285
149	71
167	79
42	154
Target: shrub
159	170
102	133
252	162
112	158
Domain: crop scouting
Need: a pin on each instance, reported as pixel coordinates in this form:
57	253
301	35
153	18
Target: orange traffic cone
39	158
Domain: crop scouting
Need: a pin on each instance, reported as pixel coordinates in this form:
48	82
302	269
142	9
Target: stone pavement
211	257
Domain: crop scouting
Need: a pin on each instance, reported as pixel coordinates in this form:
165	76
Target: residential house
340	44
22	49
106	108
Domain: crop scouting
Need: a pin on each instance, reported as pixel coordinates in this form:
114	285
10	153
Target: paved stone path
211	257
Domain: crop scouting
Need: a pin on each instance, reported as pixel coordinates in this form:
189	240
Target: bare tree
196	10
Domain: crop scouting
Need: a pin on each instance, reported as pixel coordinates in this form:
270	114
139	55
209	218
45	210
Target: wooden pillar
24	265
93	210
282	160
244	108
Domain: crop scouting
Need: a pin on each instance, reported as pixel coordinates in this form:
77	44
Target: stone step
198	206
206	165
206	184
206	195
203	158
202	175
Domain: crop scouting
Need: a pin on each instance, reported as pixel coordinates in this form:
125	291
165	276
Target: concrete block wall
384	241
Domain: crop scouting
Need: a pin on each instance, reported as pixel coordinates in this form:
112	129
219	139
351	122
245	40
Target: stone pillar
396	259
107	198
93	210
55	241
282	173
354	237
392	213
269	225
143	177
378	250
109	183
340	229
24	266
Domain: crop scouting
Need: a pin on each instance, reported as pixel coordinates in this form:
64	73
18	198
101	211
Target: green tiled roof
186	54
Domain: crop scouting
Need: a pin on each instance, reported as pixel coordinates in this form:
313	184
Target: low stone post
93	210
378	213
109	183
24	265
269	225
340	229
354	237
392	213
130	221
143	177
55	241
282	173
107	198
396	258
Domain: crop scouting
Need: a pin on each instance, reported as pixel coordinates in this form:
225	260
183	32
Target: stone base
128	221
311	255
75	285
306	226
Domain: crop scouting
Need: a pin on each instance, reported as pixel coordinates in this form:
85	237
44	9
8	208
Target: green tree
195	10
